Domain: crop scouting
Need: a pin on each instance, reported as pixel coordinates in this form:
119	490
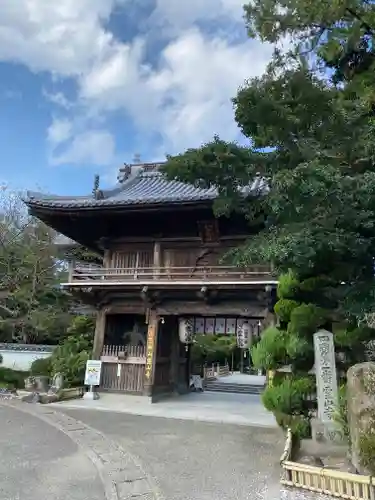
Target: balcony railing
171	275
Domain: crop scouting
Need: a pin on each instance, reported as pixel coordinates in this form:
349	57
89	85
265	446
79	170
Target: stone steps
217	386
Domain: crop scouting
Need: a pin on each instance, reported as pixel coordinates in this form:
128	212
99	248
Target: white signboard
93	371
326	378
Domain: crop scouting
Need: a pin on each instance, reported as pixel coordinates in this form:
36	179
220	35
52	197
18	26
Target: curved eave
44	206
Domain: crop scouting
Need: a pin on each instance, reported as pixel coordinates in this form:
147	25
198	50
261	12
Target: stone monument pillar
324	427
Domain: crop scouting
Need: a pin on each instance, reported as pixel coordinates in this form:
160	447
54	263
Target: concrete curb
122	475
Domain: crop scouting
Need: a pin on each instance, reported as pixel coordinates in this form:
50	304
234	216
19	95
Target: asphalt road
38	462
195	460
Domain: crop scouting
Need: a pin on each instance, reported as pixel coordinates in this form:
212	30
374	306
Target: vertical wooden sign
150	350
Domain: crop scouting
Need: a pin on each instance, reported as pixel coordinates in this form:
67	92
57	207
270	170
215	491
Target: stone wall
21	356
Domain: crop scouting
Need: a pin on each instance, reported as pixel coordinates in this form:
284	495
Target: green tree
70	357
313	142
33	306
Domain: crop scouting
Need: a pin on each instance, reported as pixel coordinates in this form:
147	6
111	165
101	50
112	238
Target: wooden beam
179	308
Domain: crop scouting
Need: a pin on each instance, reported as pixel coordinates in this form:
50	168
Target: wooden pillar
107	258
71	265
151	353
157	258
175	361
99	334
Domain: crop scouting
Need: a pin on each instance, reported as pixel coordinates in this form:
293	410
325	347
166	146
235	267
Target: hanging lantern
186	330
243	335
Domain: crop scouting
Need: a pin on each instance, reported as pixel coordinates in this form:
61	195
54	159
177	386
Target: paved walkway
243	378
238	409
61	453
38	462
197	460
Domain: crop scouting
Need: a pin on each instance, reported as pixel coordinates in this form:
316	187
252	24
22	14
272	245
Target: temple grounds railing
171	274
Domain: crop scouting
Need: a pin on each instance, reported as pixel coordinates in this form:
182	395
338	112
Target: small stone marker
326	382
57	383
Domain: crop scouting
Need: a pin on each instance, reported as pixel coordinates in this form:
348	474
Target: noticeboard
93	372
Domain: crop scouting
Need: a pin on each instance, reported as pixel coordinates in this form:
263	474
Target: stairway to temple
237	384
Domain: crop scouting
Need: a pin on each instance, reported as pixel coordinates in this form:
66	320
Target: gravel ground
37	462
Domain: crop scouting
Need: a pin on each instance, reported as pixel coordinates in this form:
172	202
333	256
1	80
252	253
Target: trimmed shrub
269	353
12	379
288	285
288	401
41	366
284	308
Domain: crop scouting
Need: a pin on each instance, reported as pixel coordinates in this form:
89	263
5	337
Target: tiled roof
141	188
27	347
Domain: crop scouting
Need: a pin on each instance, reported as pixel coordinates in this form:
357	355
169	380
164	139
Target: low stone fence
324	480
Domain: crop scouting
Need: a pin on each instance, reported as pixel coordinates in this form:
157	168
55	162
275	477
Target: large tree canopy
33	308
312	138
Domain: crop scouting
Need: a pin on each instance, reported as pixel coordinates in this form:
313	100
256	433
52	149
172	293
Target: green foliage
12	379
319	212
340	415
288	285
289	397
287	400
70	357
33	307
42	366
270	353
367	451
284	308
306	319
213	348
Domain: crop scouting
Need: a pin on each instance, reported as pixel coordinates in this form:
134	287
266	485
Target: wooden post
175	362
152	338
99	334
107	259
157	259
70	270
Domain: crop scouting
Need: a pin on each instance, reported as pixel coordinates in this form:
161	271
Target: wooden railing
171	274
328	481
215	370
132	351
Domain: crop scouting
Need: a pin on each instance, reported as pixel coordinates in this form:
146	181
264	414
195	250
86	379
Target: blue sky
85	85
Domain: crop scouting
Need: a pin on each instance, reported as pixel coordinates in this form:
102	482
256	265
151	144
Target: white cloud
59	131
177	15
184	96
96	147
59	99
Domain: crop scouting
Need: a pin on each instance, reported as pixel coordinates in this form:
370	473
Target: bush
41	366
269	353
367	451
288	401
288	285
12	379
340	415
70	357
306	319
289	397
283	309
